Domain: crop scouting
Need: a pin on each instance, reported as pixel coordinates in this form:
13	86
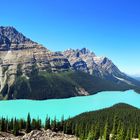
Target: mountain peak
8	27
79	52
10	38
85	51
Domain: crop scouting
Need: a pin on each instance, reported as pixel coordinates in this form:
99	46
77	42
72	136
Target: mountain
19	55
102	67
28	70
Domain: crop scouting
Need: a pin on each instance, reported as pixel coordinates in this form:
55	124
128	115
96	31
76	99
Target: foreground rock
38	135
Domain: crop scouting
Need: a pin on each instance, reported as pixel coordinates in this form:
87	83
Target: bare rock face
38	135
87	61
107	65
81	59
10	38
17	51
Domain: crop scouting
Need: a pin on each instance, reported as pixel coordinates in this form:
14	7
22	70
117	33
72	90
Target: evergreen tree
54	124
62	123
21	124
135	135
81	130
33	124
120	132
139	136
15	127
73	129
11	124
90	136
76	129
105	134
6	125
38	124
87	128
113	132
28	123
131	133
97	131
47	123
2	124
127	135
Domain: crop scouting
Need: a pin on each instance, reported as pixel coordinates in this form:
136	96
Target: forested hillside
58	85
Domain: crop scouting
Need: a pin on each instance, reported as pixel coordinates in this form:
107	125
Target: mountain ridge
11	39
25	63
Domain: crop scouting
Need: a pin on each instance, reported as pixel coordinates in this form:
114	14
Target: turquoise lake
67	107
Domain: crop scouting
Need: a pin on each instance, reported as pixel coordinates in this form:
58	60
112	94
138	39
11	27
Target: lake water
67	107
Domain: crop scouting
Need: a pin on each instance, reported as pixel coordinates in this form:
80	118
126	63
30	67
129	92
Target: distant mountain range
28	70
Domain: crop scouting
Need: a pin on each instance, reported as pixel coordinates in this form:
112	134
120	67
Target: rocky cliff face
22	56
19	52
87	61
11	39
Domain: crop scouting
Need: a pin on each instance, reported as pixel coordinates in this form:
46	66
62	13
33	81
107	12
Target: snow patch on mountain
121	79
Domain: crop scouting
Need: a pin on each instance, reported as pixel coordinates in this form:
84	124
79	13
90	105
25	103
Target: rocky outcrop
18	52
87	61
11	39
38	135
81	60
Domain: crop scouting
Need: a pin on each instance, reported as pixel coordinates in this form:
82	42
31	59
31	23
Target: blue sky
108	27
